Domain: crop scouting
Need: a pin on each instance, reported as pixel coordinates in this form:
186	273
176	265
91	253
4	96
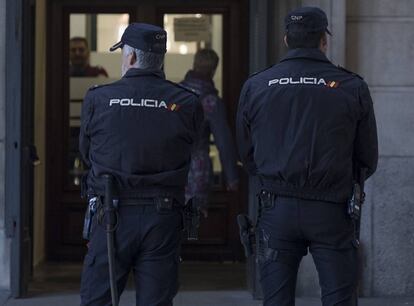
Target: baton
110	233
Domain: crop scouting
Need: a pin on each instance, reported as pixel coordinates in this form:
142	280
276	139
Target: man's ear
323	45
285	40
132	58
324	40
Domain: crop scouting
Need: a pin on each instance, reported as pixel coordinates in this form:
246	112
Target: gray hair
145	60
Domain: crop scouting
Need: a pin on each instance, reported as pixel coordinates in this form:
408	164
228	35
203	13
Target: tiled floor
217	284
195	298
57	277
3	297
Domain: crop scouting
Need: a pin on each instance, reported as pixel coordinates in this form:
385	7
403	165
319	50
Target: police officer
140	130
304	127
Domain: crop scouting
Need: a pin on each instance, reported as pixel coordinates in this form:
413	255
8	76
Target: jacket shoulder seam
184	88
349	72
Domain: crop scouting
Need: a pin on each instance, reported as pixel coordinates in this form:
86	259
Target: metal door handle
33	157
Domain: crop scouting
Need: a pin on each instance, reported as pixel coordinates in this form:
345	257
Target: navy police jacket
140	129
304	126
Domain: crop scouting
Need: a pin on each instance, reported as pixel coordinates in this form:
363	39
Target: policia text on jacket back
305	129
139	130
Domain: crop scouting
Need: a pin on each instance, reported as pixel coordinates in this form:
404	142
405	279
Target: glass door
90	63
187	33
79	58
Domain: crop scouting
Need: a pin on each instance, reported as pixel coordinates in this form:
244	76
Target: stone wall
4	242
380	47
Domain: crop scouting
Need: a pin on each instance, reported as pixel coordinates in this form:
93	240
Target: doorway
87	29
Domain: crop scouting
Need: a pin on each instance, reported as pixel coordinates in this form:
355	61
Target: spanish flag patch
173	107
333	84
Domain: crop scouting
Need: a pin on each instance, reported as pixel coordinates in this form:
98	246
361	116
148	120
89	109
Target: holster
191	220
355	202
94	204
247	234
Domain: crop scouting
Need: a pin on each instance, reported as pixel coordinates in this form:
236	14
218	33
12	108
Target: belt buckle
164	204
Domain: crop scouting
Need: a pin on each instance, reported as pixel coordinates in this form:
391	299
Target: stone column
267	31
380	43
258	35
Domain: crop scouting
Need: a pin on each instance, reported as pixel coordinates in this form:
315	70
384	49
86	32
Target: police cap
312	19
145	37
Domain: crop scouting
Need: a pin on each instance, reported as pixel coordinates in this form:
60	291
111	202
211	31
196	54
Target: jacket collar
306	53
136	72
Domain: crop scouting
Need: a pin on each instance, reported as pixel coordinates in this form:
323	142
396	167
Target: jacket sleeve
84	134
216	116
366	140
243	132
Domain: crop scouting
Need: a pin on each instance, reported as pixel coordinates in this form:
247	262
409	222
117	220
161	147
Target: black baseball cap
145	37
313	19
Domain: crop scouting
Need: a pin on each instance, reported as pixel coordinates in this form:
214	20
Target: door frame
144	11
20	15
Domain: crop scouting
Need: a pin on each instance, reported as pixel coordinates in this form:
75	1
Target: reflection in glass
192	36
90	63
80	59
186	34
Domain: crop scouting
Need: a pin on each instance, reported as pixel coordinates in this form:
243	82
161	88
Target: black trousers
147	242
287	228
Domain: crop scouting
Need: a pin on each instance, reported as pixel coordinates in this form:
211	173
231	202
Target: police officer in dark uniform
304	128
140	130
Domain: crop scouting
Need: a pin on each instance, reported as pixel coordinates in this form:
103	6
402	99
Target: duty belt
161	204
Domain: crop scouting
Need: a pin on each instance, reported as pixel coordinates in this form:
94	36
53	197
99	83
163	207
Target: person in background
79	60
200	81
